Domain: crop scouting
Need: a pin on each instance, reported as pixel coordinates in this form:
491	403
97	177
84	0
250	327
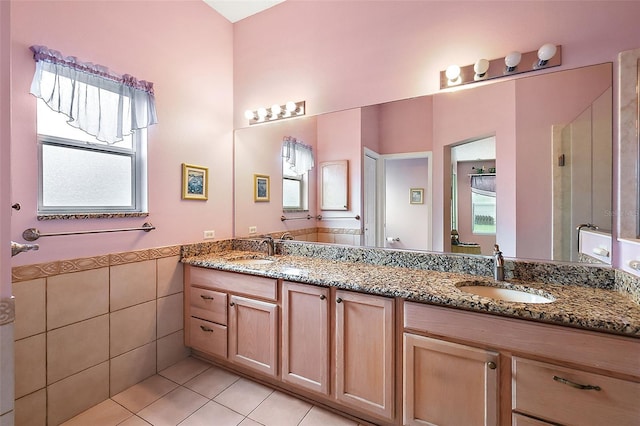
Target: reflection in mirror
523	114
473	197
334	185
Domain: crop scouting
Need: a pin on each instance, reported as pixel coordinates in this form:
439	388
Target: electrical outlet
209	234
253	230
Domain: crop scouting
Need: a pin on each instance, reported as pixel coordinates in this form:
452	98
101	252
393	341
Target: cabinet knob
207	329
322	297
232	304
205	297
492	365
339	300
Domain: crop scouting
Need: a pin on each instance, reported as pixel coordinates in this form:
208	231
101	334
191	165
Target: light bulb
452	73
512	60
480	68
290	106
546	52
249	115
262	113
275	110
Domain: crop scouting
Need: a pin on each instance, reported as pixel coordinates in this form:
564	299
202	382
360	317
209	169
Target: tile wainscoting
86	329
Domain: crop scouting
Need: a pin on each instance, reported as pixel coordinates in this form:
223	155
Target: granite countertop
583	307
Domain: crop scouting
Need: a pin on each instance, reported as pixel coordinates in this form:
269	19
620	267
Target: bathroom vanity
402	344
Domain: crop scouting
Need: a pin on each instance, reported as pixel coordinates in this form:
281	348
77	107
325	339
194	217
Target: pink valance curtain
97	100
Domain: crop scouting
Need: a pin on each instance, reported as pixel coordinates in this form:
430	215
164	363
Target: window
483	214
294	189
80	174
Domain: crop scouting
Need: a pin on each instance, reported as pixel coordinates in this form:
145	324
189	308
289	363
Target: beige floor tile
107	413
205	416
321	417
280	409
173	408
212	382
144	393
243	396
185	370
134	421
249	422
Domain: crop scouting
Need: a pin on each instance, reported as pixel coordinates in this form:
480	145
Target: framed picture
416	195
195	182
260	188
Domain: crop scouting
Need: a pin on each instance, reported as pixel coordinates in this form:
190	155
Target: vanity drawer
208	337
520	420
553	393
250	285
209	305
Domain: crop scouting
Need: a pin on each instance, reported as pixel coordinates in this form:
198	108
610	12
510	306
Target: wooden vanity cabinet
305	336
448	383
365	350
233	316
546	374
253	334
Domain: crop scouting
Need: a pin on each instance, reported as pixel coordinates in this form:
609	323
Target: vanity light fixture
480	68
511	61
276	112
545	53
549	55
453	75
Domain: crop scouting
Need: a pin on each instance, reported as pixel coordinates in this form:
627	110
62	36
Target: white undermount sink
245	261
505	294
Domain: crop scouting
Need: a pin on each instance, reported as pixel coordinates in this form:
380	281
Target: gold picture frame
195	182
416	195
261	188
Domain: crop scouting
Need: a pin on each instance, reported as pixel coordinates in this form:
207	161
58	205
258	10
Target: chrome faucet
286	236
498	264
268	240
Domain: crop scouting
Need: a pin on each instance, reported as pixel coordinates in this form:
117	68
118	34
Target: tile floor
195	393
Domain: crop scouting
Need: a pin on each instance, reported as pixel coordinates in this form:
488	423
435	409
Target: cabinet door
449	384
305	336
253	334
365	352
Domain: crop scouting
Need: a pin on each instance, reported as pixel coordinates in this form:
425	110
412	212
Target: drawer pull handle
322	297
576	385
232	304
339	300
207	329
205	297
492	365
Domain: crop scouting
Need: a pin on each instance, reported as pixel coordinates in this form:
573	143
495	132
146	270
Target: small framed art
195	182
416	196
260	188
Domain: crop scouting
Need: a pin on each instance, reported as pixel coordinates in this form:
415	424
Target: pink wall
339	138
339	55
185	48
467	115
406	126
540	104
258	151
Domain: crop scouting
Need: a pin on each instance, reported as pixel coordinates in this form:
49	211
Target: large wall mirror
552	135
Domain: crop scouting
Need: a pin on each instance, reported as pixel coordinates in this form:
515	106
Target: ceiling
235	10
